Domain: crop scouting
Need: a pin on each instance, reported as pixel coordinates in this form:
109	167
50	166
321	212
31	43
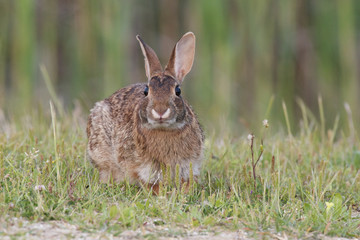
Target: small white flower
250	138
40	188
11	205
34	153
266	123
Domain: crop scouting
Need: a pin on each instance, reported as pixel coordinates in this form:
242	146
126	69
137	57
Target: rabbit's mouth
165	124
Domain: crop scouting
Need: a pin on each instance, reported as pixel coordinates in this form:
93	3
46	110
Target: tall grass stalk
322	117
269	107
53	121
350	122
51	90
286	119
334	130
304	114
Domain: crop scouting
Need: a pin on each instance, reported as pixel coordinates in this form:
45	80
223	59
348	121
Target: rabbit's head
162	105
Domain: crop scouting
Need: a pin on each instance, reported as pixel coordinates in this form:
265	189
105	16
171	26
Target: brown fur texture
131	134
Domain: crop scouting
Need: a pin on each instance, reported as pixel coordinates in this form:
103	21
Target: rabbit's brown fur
132	134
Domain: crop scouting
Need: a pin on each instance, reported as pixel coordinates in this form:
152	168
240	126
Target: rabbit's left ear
182	57
152	63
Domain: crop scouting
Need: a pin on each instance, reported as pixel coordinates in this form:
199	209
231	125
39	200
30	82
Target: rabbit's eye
146	91
177	90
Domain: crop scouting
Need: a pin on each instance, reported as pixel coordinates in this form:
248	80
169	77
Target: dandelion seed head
265	123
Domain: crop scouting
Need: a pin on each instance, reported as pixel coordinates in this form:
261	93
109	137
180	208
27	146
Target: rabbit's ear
152	63
182	57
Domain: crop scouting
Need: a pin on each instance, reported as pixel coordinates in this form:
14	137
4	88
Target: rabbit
145	126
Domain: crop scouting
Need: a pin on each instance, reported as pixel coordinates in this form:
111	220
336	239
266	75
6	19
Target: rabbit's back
110	132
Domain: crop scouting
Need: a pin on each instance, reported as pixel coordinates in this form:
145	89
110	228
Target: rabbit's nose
157	115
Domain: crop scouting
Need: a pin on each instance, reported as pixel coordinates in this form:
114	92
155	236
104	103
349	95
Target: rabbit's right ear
152	63
182	57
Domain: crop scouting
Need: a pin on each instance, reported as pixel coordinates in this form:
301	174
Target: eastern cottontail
146	125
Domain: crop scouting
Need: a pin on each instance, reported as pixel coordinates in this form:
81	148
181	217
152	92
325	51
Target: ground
23	229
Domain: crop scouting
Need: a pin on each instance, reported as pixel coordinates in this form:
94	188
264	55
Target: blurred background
251	55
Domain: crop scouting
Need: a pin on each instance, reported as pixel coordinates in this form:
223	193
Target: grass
306	184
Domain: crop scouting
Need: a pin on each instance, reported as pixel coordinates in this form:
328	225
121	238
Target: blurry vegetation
247	52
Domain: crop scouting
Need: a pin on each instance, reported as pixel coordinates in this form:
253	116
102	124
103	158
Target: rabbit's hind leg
102	161
100	145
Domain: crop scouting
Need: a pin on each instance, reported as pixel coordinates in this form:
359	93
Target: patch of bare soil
22	229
